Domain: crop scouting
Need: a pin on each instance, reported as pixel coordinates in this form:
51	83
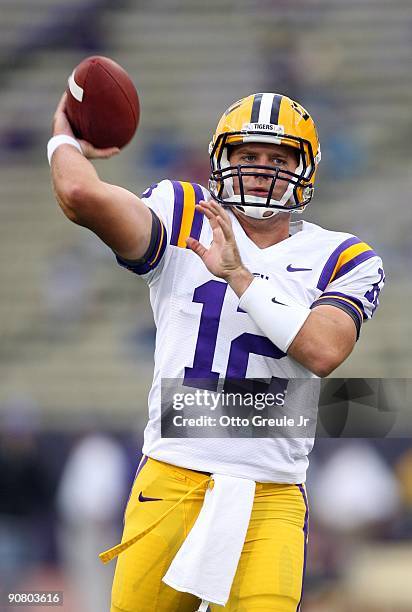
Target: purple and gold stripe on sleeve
342	298
187	221
153	255
349	304
151	264
344	258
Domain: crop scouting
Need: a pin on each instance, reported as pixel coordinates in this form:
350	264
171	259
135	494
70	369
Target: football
102	103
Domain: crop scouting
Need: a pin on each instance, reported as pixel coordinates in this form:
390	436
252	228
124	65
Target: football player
240	289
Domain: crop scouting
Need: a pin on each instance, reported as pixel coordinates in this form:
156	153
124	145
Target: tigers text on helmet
272	119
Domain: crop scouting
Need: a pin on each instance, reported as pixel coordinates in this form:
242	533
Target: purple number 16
212	295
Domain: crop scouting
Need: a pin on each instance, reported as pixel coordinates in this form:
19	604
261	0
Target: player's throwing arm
116	215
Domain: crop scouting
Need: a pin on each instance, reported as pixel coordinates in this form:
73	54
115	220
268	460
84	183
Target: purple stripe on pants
305	535
141	465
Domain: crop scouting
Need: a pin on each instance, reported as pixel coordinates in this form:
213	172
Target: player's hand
222	258
61	125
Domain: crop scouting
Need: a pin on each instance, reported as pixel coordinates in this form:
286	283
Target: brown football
102	103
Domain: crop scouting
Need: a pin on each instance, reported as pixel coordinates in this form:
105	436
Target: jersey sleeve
175	218
352	280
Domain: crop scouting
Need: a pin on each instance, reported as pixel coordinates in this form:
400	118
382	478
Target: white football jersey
201	333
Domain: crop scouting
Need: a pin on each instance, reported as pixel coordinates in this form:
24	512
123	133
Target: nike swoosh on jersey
290	268
274	300
147	499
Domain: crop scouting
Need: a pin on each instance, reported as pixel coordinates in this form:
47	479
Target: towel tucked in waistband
206	563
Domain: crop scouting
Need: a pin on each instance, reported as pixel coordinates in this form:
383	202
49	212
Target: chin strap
257	212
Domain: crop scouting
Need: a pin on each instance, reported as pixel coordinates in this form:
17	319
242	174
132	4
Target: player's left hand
222	258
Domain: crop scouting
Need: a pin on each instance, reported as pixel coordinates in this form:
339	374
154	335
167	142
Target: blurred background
76	331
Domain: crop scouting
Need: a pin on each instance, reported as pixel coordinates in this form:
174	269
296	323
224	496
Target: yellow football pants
270	572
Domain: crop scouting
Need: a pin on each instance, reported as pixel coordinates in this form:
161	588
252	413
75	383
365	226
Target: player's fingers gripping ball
102	103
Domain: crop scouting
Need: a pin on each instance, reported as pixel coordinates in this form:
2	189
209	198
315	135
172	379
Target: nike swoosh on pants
142	498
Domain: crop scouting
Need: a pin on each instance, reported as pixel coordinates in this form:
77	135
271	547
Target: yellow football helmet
265	118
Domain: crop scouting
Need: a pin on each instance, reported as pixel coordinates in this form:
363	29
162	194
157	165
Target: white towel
206	563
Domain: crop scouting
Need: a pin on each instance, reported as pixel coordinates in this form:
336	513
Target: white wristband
277	315
57	141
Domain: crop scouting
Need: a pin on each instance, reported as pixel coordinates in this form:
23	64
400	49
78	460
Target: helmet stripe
265	108
274	114
256	108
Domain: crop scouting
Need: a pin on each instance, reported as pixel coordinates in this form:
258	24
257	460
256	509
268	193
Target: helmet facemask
298	192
